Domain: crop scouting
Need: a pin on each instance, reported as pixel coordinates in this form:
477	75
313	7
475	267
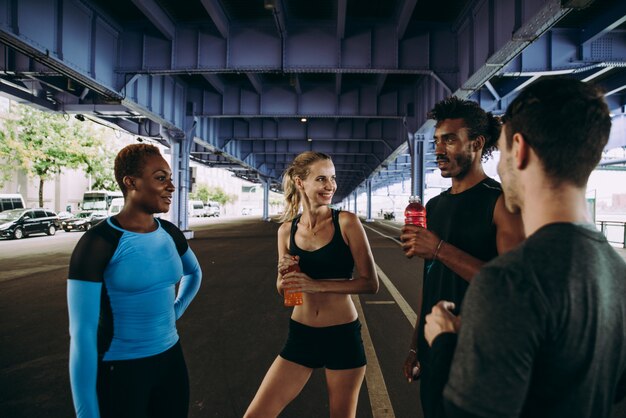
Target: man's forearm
459	261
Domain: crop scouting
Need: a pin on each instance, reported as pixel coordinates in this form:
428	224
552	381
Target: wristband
437	249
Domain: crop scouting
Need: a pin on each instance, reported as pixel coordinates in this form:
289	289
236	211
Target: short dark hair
478	121
130	161
566	122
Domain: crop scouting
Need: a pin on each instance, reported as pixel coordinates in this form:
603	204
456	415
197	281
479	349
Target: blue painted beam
611	17
341	18
404	16
486	26
214	9
256	47
69	49
157	16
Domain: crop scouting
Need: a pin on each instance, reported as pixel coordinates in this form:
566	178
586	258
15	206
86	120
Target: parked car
65	215
84	220
19	223
212	209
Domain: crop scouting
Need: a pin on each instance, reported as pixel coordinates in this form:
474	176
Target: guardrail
614	231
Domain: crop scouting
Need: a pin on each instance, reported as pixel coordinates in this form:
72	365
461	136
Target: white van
117	204
212	209
11	201
195	208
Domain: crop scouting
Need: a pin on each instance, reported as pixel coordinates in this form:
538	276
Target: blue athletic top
122	299
332	261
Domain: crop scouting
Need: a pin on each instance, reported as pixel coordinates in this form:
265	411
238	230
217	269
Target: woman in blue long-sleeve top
125	355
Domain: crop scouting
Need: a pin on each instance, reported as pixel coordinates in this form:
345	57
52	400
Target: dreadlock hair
477	121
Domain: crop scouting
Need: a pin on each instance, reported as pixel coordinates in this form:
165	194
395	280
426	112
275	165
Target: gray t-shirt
543	329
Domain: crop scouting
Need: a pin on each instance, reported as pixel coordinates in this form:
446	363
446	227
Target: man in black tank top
468	225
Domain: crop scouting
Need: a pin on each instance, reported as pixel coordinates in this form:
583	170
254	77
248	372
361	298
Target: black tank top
464	220
332	261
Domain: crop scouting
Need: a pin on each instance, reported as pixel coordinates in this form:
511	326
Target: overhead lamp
269	4
310	139
303	120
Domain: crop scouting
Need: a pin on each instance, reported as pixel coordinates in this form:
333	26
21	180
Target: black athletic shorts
338	347
149	387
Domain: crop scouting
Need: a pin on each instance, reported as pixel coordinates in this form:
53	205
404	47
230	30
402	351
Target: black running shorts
338	347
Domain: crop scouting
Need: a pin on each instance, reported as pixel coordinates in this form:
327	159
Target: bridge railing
614	231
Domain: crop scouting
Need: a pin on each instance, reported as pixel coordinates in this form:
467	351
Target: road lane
230	334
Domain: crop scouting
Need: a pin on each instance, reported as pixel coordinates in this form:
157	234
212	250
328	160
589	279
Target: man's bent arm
509	234
509	227
459	261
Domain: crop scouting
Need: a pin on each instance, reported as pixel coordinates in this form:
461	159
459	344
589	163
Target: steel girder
593	51
150	76
133	76
603	62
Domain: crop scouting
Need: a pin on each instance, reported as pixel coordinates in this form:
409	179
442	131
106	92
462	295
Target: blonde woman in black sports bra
335	261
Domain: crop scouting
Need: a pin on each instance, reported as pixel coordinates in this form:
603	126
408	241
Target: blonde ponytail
292	197
298	168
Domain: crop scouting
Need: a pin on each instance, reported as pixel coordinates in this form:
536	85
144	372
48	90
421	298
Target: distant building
63	192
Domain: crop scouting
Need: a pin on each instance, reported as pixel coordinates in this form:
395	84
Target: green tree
101	169
201	193
215	194
43	143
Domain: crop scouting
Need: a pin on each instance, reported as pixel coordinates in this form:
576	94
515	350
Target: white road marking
402	303
377	390
395	294
380	233
376	387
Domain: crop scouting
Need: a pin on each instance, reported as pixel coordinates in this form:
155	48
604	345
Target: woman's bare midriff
324	310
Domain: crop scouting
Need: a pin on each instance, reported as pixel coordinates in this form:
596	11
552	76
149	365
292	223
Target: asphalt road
230	334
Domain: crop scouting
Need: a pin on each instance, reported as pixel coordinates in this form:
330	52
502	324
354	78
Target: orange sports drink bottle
293	298
415	213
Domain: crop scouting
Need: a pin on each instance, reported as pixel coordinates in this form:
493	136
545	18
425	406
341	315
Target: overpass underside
247	84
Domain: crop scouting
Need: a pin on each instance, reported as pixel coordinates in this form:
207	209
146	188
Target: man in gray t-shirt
542	331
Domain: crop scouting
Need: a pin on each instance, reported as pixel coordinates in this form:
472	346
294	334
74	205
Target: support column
368	212
417	148
354	195
180	145
266	199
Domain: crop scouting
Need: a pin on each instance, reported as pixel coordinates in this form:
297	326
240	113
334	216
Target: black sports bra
332	261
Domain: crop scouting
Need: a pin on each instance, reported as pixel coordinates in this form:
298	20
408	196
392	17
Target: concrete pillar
180	145
368	213
266	199
417	164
